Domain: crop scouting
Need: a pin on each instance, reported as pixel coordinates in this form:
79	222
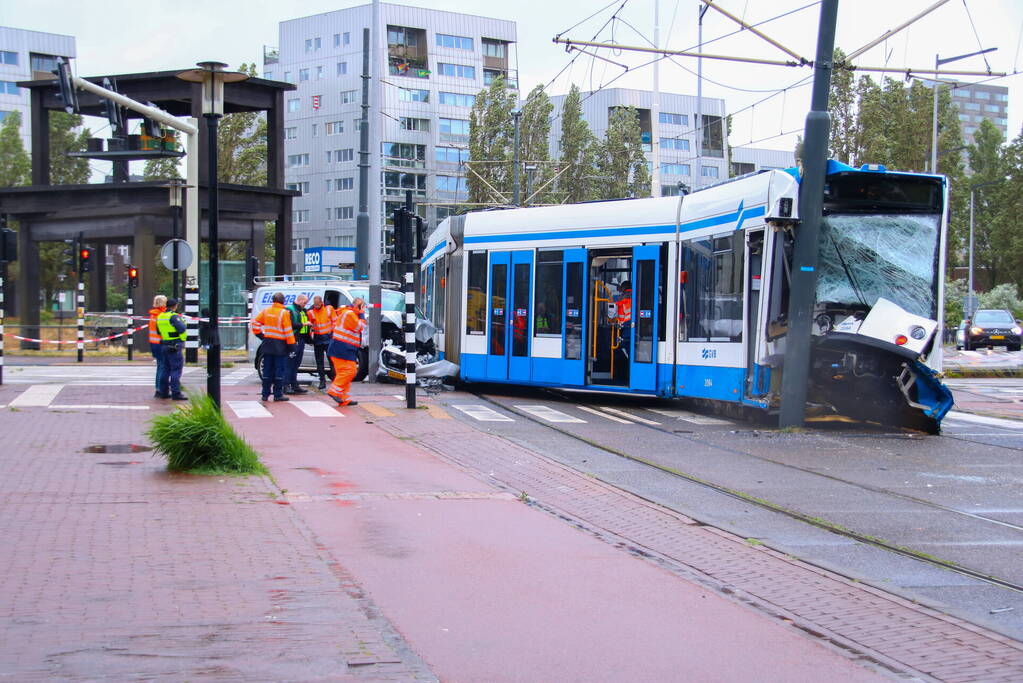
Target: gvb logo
708	353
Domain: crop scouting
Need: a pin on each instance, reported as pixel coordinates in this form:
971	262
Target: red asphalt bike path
485	587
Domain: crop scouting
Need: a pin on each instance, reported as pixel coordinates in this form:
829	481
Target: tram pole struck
795	379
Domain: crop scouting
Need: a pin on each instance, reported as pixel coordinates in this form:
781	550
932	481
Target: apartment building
432	65
26	56
752	159
979	102
676	131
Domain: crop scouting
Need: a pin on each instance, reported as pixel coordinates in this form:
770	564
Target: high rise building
26	56
432	65
752	159
676	133
979	102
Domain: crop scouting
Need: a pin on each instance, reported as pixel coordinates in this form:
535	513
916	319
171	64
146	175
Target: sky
119	36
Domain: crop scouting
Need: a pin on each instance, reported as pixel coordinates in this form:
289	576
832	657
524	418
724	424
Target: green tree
1010	205
491	137
842	105
621	165
577	150
992	235
535	131
67	135
241	145
15	164
161	169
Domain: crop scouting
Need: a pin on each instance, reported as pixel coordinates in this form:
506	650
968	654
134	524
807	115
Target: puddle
116	448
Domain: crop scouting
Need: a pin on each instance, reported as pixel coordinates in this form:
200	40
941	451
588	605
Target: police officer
172	337
300	327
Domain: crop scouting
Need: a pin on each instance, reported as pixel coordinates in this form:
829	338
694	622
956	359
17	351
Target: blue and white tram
535	296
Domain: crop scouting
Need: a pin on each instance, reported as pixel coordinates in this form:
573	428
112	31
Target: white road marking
37	395
400	397
483	413
604	415
637	418
690	417
95	406
245	409
316	409
549	414
985	420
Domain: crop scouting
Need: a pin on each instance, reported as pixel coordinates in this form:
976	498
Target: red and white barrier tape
84	341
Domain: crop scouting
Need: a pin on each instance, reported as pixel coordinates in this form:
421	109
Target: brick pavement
115	569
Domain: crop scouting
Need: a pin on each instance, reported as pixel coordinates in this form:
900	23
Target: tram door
645	305
574	315
509	315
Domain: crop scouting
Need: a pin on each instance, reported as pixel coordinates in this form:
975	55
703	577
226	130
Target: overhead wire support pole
759	34
891	32
802	292
677	53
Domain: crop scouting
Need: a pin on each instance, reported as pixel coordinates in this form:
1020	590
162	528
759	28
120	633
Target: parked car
961	335
992	327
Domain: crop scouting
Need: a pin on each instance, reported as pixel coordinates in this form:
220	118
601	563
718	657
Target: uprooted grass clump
197	439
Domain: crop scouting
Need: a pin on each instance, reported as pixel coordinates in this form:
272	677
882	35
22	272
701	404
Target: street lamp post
176	188
934	113
212	76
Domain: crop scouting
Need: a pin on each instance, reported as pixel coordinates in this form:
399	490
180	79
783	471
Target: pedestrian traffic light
133	277
84	259
8	243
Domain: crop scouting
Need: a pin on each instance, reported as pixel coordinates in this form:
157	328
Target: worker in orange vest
344	350
624	320
322	318
273	326
155	347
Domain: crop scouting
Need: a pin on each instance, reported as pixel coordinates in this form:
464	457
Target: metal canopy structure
140	214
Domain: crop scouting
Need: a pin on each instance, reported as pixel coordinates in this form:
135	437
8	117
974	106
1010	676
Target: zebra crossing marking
316	409
247	409
690	417
549	414
605	415
482	413
37	396
631	416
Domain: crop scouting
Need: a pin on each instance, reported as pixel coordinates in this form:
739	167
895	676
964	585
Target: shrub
198	439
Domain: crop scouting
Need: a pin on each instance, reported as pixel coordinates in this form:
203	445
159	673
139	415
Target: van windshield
390	300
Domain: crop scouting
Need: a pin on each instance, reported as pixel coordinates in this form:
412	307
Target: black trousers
323	369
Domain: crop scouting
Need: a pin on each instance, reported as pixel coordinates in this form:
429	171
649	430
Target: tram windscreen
867	256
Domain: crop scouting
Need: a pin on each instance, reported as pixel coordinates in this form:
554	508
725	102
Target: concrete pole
934	123
969	290
376	227
802	295
516	185
362	220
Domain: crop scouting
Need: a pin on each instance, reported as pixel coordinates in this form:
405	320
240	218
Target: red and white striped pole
80	301
410	341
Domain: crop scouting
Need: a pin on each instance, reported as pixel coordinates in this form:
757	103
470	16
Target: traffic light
8	243
68	94
84	259
71	254
113	111
133	277
420	236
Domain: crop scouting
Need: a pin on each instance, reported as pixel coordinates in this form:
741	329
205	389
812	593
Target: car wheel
363	370
1012	347
259	363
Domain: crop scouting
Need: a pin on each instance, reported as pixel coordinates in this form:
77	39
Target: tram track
780	509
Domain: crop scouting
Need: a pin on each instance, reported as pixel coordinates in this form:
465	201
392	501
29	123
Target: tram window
476	294
643	314
498	307
440	295
428	291
520	314
713	289
574	303
548	293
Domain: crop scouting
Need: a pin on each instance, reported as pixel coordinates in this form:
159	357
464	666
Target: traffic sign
184	254
970	303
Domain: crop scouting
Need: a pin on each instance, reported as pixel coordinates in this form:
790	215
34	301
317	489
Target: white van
336	292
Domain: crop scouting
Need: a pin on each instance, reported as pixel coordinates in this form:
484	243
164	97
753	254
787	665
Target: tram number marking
645	314
498	312
708	353
573	313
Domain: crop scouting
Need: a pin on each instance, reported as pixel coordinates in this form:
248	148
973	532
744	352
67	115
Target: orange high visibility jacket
322	319
625	310
154	334
274	323
349	327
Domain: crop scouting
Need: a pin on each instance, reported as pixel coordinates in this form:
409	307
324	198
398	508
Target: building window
992	108
319	72
4	115
7	57
9	88
314	129
403	154
454	128
396	183
357	124
451	155
490	75
312	44
342	68
341	155
673	119
294	105
969	130
675	143
742	168
337	40
1001	97
302	187
1002	122
303	74
300	216
964	117
411	123
349	96
268	75
456	70
982	95
344	212
713	136
457	42
346	38
675	169
287	77
972	106
494	48
413	95
452	185
334	127
295	160
40	62
709	171
456	99
342	184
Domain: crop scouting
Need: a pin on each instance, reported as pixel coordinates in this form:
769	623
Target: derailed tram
688	296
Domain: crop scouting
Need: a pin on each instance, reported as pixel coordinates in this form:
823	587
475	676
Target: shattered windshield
864	257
